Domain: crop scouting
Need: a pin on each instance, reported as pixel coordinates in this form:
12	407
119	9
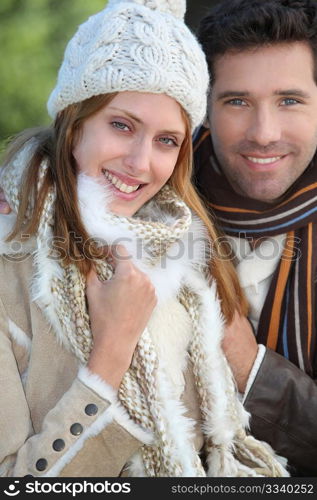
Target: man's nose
138	156
265	127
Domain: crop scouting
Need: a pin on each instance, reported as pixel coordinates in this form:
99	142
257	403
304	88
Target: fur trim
212	323
97	384
170	331
171	270
19	336
180	427
254	370
116	410
41	292
135	466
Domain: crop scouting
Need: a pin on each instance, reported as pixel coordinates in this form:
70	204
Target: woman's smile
122	186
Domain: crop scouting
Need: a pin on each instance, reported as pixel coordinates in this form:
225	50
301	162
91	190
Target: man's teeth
263	161
124	188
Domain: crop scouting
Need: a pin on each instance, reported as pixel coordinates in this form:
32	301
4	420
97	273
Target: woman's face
132	144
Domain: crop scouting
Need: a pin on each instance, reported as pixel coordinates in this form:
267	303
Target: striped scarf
288	320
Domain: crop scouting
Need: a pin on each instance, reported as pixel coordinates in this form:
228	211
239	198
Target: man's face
263	118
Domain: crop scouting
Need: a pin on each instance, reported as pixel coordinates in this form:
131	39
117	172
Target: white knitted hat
134	45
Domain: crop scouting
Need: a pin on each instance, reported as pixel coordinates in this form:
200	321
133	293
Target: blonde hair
56	144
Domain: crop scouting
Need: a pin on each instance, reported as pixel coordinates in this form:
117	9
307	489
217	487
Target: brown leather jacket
283	406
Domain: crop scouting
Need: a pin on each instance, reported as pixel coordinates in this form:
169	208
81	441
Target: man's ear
206	122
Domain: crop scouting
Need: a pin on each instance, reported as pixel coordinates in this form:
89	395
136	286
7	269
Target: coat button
58	444
91	409
76	429
41	464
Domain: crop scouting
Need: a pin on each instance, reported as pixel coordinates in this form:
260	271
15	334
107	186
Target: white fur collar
182	257
167	276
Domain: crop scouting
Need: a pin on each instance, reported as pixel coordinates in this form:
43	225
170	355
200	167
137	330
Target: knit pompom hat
134	45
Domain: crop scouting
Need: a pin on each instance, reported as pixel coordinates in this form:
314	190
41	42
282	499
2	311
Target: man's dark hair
236	25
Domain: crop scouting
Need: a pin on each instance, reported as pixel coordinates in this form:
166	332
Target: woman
111	364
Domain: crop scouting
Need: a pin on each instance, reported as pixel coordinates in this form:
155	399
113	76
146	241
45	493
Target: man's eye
289	101
119	125
236	102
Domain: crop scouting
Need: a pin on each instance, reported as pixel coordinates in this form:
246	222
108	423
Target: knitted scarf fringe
145	394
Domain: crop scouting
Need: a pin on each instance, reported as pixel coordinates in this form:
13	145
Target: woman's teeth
263	161
121	186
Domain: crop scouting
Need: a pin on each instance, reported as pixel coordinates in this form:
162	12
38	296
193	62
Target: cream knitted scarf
145	391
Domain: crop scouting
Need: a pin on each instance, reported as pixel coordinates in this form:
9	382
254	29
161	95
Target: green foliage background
33	36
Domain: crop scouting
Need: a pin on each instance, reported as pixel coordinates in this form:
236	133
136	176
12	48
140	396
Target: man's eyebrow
281	92
292	92
232	93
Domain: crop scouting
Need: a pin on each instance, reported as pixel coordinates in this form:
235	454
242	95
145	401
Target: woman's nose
138	156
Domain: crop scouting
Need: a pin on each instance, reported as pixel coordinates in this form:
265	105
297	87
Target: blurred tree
33	36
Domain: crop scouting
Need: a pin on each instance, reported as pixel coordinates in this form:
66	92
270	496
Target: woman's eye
168	141
120	125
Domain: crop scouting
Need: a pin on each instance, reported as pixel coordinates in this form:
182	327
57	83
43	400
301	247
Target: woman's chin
121	210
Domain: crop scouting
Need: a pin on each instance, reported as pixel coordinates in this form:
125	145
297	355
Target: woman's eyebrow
131	115
138	120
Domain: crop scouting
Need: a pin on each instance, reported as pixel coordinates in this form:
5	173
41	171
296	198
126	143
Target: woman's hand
119	311
4	205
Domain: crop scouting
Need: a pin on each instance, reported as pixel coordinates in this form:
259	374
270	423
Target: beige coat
42	395
59	419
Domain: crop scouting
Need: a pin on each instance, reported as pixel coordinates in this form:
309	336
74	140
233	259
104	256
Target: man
255	165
